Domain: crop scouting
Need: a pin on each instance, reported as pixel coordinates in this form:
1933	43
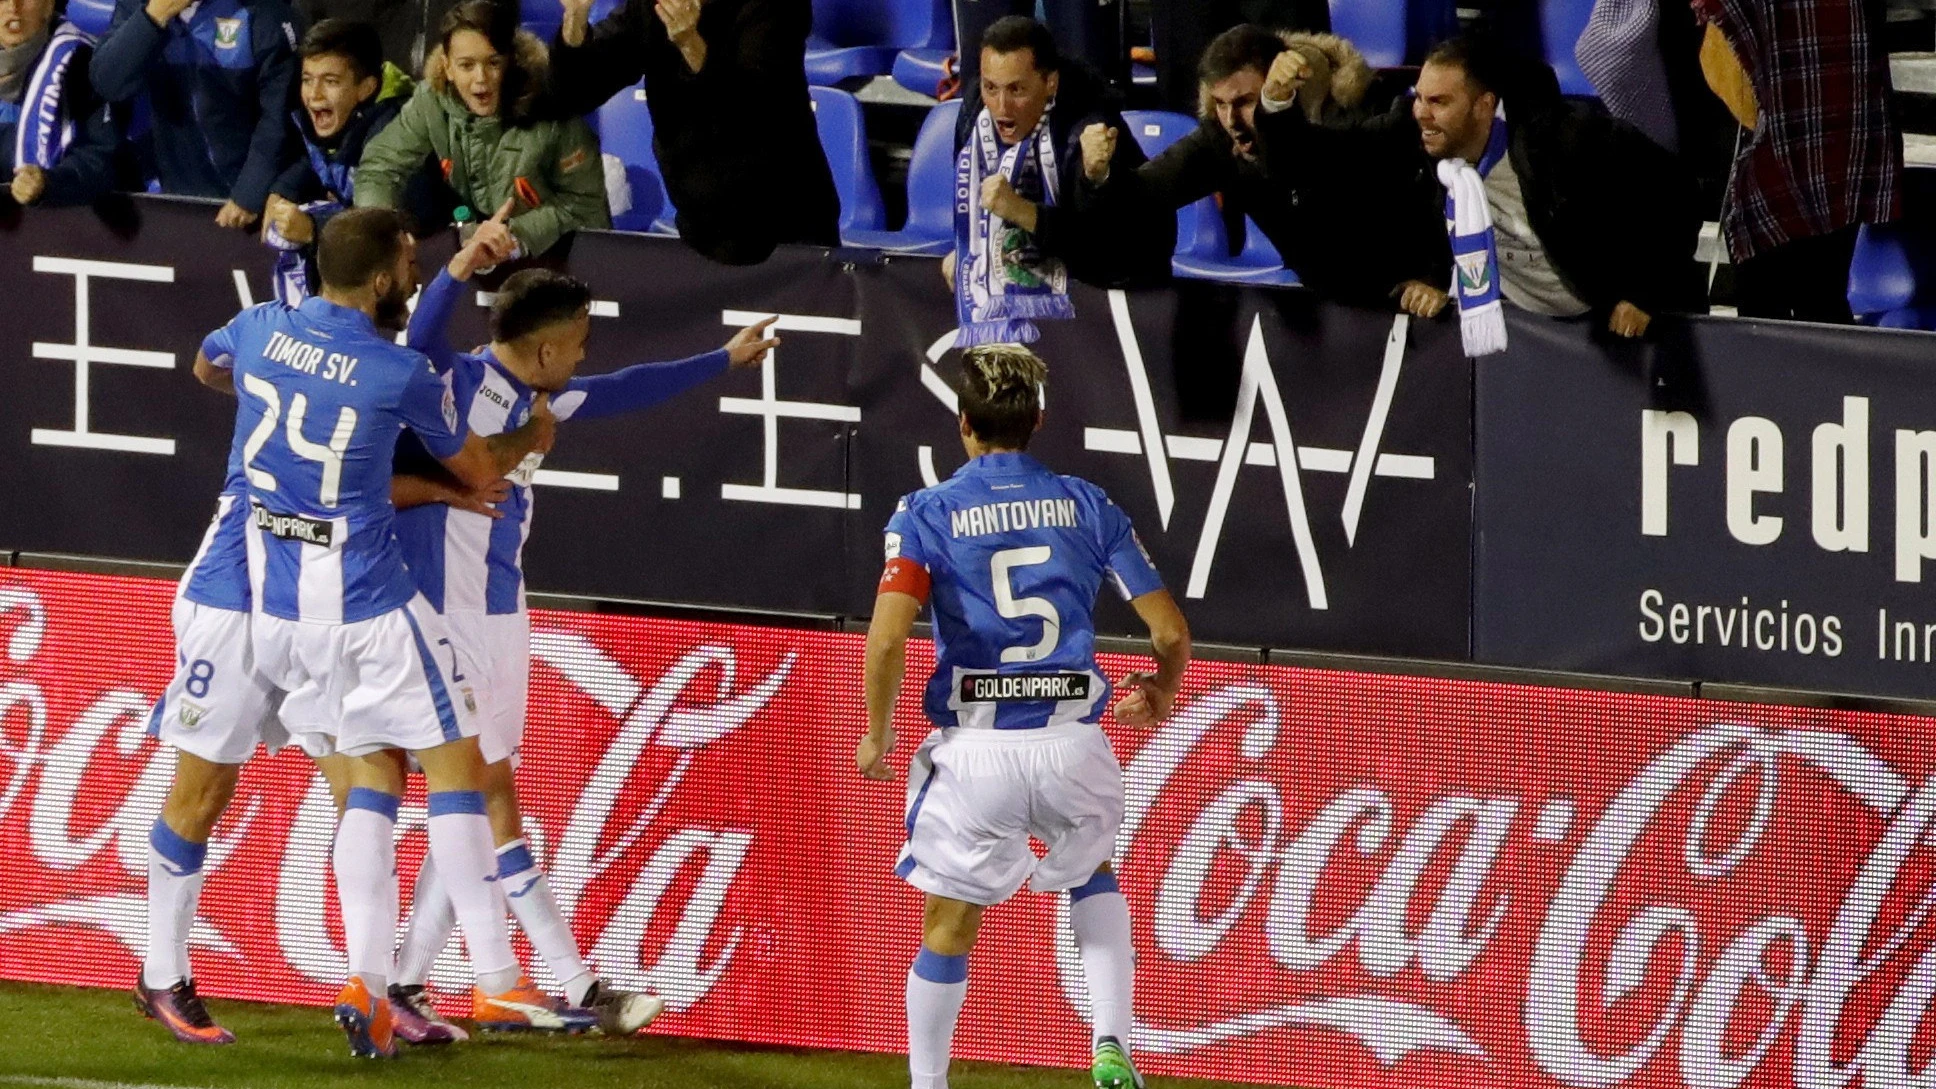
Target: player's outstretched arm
887	636
642	385
484	460
213	376
1151	695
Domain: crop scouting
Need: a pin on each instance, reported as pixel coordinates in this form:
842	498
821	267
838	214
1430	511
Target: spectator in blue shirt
56	139
219	76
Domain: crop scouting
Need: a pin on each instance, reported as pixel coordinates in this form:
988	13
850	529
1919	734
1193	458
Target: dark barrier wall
1733	501
1741	501
1300	471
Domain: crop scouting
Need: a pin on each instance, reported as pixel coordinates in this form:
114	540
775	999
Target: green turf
93	1035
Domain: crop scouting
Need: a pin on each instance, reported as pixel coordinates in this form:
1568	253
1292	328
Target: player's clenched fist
1287	75
749	346
871	755
1147	704
1098	151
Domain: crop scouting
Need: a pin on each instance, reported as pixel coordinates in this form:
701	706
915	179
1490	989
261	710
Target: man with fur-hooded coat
1350	230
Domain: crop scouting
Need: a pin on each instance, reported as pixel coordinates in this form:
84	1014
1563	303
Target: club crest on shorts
470	701
191	714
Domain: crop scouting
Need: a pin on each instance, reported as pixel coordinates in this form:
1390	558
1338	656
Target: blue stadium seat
1560	24
1377	29
1202	246
843	135
930	229
626	128
1892	278
860	38
91	16
921	70
1882	277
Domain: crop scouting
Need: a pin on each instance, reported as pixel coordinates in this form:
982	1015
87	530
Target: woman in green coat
476	115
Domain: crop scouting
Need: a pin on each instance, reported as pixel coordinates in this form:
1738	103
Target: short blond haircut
1002	390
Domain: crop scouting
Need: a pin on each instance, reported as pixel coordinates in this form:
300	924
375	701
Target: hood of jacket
1340	75
524	80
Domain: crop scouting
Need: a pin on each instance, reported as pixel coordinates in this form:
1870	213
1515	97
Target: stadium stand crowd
1299	143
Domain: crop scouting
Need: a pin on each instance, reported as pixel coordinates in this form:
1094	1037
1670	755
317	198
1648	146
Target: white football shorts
975	796
500	645
216	706
396	681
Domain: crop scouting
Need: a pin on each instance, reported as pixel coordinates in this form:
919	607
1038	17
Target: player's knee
200	793
950	926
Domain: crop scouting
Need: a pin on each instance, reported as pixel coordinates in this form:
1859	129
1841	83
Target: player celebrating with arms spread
1011	556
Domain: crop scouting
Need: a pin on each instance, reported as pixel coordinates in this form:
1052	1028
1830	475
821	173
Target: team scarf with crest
1003	281
1475	249
46	130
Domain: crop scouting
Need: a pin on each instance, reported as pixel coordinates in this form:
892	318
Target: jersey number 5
1001	564
329	455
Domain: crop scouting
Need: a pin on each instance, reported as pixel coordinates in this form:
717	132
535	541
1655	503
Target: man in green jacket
476	116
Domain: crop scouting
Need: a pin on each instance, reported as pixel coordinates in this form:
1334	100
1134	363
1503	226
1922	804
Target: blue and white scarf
1003	282
46	129
1475	249
290	278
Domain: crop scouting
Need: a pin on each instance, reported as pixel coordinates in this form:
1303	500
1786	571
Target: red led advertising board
1337	879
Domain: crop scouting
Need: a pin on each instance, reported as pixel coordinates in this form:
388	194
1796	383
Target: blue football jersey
1015	555
466	562
321	398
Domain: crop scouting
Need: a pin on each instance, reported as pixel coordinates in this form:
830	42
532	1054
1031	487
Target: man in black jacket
1350	223
1103	237
1590	216
732	120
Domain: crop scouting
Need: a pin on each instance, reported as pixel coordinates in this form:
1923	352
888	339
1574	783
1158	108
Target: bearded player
1011	556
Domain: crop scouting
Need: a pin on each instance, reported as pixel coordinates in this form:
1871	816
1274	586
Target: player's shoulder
1083	489
935	497
262	315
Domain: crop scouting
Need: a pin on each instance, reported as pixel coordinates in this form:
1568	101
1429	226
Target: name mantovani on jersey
1014	556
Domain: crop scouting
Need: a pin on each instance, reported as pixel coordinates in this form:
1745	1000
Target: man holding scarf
56	140
1549	207
1037	137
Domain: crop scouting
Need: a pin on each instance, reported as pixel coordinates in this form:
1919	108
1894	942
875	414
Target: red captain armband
904	576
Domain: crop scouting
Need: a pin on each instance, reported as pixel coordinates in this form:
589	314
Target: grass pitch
74	1038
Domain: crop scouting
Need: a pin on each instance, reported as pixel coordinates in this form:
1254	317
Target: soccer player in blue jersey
322	395
1011	556
213	713
470	568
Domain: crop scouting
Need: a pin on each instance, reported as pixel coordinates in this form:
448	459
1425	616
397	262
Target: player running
321	398
1011	556
469	568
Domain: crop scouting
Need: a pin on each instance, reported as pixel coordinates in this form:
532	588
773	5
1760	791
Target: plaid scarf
1475	249
1002	280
